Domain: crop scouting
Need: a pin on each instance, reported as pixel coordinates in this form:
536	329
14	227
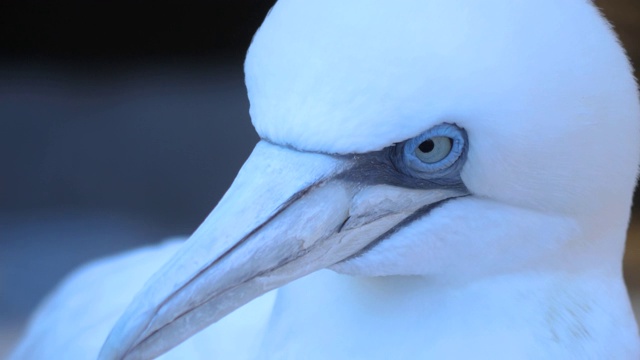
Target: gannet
436	179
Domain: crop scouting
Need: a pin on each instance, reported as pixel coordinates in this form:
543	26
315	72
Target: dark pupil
426	146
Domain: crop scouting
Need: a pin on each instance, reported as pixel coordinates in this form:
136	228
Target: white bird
464	169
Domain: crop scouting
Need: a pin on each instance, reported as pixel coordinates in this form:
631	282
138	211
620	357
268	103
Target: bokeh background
123	122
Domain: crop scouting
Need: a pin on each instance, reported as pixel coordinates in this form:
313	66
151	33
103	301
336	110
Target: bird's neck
511	316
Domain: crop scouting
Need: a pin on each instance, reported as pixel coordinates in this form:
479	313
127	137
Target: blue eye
434	153
434	149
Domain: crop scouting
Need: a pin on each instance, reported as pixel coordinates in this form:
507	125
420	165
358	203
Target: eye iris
434	149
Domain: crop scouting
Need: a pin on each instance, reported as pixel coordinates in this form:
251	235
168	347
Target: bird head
454	140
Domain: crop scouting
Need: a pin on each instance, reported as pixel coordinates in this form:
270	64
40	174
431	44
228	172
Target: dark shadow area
121	33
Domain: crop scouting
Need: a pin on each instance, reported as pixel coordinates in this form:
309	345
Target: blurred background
123	122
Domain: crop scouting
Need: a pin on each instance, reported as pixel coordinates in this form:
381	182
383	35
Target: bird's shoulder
76	317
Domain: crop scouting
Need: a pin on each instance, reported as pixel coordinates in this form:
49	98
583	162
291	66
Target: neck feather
534	315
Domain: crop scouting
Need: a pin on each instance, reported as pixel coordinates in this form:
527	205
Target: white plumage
520	258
